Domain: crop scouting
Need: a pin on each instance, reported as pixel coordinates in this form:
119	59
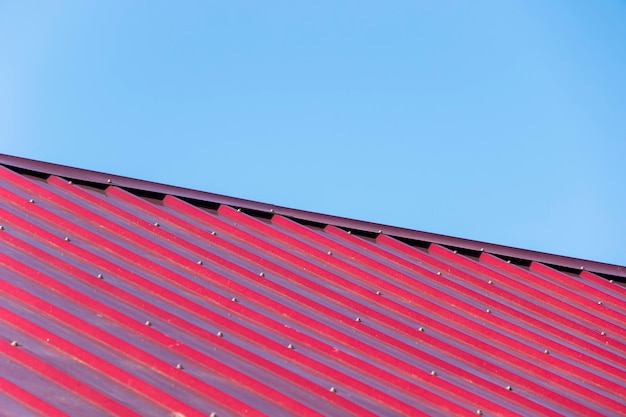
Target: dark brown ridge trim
418	238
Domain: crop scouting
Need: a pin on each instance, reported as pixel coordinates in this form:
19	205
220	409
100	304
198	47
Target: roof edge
77	174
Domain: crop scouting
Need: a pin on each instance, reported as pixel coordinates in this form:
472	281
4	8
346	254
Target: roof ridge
475	247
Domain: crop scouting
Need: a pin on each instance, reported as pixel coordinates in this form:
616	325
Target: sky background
500	121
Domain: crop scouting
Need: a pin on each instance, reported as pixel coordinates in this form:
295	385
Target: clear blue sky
501	121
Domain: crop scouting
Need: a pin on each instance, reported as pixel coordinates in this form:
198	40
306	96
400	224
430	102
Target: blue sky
500	121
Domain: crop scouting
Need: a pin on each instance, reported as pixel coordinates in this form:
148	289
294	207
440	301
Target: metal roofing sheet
123	297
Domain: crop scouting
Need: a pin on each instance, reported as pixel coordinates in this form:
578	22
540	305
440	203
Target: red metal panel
272	317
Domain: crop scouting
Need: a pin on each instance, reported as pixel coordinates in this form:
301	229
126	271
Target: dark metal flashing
418	238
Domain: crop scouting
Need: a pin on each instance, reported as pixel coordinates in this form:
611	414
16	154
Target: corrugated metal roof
123	297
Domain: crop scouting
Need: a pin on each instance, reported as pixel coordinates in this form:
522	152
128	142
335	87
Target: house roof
125	297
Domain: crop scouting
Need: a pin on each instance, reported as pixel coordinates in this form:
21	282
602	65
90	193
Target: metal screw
479	412
488	311
147	323
421	329
199	262
179	366
599	302
99	276
234	299
213	233
67	238
482	249
69	182
508	261
438	272
330	253
213	414
156	224
220	334
603	333
455	251
239	210
271	210
333	389
378	293
1	227
380	231
289	346
433	373
358	319
509	388
31	201
490	282
611	281
546	351
14	343
261	274
349	232
582	267
109	181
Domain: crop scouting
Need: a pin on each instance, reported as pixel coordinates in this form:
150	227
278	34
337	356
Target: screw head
600	303
433	373
488	311
333	389
213	232
14	343
179	366
546	351
147	323
199	262
239	210
603	333
289	346
438	272
378	293
234	299
100	276
31	201
213	414
421	329
261	274
358	319
330	252
109	181
509	388
479	412
508	261
1	227
490	282
69	182
67	238
220	334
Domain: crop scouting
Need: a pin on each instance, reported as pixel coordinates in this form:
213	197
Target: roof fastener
378	293
421	329
508	261
69	182
349	232
220	334
199	262
147	323
31	201
179	366
271	210
433	373
358	319
509	388
603	333
479	412
234	299
455	251
599	302
100	276
582	267
333	389
438	272
213	233
488	311
490	282
14	343
546	351
380	230
239	209
611	280
482	249
109	181
261	274
67	238
156	224
1	227
289	346
213	414
330	252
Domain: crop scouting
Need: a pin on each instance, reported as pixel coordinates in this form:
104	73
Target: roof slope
123	297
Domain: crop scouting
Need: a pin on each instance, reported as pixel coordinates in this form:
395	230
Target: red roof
124	297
